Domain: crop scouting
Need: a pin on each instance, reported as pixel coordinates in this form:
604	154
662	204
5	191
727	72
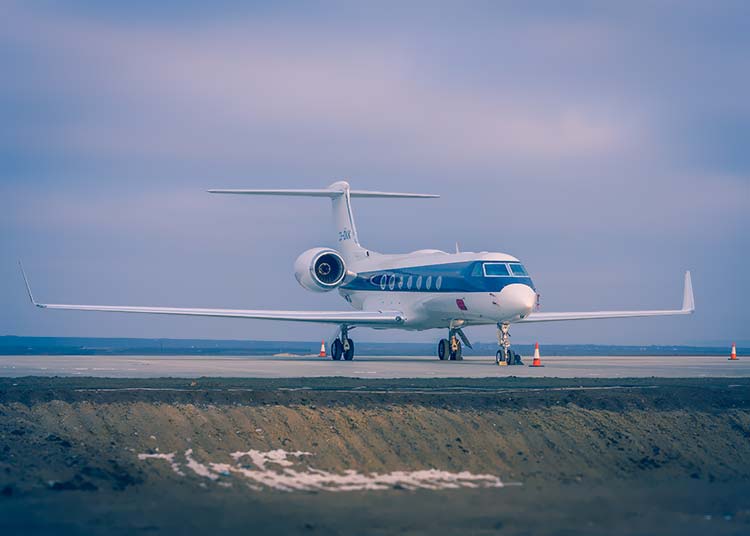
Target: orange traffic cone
537	360
322	349
733	355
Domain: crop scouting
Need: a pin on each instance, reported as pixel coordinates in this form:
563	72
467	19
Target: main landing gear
342	346
450	348
504	355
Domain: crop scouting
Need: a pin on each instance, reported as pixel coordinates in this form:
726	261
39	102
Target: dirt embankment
115	436
90	435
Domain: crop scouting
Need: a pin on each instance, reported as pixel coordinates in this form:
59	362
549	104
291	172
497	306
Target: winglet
28	287
688	302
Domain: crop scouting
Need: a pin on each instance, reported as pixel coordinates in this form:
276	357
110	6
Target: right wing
688	307
360	318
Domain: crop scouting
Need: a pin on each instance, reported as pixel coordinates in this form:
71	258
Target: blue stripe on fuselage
455	277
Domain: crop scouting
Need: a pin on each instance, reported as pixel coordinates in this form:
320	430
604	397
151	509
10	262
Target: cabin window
496	269
428	283
383	281
439	282
519	270
408	283
391	282
400	282
419	282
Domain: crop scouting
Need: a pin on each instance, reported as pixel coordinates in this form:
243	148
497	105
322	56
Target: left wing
360	318
688	307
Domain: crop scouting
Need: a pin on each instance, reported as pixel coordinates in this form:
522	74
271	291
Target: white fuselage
435	289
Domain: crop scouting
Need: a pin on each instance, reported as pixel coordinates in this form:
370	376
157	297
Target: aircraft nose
517	299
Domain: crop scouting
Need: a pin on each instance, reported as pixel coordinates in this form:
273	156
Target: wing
360	318
688	307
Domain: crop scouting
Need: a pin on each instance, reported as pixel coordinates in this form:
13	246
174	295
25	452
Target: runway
369	367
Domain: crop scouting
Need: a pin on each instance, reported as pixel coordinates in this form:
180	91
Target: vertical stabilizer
343	220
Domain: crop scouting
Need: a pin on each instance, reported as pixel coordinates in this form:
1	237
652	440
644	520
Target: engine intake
320	269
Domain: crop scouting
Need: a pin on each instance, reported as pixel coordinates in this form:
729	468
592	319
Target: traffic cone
733	355
322	349
537	360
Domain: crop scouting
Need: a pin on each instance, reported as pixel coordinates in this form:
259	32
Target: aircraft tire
349	354
337	349
443	352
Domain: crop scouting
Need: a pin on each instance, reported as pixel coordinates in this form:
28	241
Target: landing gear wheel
443	349
503	357
337	350
348	347
456	352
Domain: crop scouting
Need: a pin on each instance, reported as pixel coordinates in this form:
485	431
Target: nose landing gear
504	355
343	346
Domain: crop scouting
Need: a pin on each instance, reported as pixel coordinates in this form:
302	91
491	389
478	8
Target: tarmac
369	367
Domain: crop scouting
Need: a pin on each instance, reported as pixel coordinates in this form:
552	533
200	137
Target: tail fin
340	195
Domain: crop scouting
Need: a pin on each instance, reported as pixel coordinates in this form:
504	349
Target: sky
605	144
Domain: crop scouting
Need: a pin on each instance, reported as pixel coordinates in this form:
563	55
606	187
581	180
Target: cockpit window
495	269
519	270
477	270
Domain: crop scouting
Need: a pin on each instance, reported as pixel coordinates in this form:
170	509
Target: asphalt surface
370	367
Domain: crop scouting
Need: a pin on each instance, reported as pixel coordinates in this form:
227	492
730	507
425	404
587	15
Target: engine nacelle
320	269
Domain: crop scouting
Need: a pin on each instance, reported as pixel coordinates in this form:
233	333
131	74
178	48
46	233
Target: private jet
424	289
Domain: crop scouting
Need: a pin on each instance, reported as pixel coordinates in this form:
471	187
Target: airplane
424	289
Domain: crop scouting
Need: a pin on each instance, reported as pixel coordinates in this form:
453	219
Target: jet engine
320	269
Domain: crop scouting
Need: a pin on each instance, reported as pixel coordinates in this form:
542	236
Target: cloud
601	143
208	91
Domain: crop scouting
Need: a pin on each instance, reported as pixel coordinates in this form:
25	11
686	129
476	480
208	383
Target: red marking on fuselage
461	304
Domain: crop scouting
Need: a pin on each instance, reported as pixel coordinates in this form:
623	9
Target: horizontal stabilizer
323	192
367	193
298	193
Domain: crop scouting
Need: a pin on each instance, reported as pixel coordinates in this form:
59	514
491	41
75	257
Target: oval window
439	282
428	283
383	281
408	283
400	282
419	282
391	282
